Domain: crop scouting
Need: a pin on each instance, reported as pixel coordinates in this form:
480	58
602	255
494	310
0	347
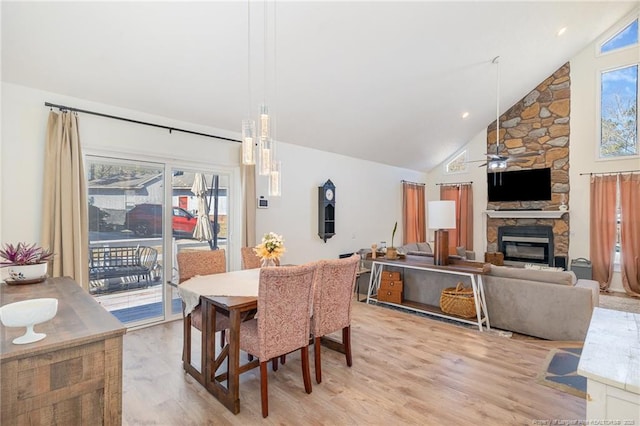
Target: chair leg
263	389
306	375
346	341
316	359
222	338
274	363
283	359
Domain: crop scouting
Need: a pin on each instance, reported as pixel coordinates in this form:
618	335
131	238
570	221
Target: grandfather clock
327	210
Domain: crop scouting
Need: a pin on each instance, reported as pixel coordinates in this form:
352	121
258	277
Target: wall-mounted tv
520	185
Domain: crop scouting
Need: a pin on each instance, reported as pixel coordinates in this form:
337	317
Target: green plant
24	254
393	234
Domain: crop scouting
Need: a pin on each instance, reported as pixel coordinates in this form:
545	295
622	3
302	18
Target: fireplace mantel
526	214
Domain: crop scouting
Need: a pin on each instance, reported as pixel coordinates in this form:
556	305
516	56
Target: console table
472	270
71	377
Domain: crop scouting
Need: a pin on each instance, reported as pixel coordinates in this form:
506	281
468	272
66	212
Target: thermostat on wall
263	203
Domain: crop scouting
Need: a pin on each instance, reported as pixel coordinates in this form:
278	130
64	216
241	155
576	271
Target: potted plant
25	262
392	252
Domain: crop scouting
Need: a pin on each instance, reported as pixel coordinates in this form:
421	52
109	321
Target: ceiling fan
496	162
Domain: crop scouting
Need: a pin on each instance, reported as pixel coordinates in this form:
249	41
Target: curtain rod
454	183
610	173
129	120
413	183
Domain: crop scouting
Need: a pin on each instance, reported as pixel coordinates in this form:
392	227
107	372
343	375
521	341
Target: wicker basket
458	301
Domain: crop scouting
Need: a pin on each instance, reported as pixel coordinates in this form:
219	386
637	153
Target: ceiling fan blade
482	165
476	161
519	160
525	154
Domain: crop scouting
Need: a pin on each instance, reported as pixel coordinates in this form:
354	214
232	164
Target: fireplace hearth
526	244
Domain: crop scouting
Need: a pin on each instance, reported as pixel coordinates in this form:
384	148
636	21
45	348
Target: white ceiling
382	81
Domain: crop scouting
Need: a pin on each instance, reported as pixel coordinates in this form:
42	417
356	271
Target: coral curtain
65	220
413	213
630	233
602	231
249	205
462	194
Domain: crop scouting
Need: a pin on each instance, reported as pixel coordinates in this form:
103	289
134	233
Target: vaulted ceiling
382	81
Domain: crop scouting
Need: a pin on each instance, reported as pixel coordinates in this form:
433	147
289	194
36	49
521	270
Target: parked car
146	220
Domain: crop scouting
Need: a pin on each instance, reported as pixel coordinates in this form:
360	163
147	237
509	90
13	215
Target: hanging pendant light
275	179
248	125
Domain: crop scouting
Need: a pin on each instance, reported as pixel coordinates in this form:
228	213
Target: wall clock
326	210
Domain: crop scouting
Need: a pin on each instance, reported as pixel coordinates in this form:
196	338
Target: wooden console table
71	377
473	270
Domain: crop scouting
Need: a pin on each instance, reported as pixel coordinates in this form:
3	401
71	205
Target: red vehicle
146	220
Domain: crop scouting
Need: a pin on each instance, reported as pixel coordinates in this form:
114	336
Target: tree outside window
619	112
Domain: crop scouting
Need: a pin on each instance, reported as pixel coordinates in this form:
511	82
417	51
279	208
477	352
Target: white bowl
28	313
27	272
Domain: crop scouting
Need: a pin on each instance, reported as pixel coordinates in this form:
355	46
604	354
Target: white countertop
611	352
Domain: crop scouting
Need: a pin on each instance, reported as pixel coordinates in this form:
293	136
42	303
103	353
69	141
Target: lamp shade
442	214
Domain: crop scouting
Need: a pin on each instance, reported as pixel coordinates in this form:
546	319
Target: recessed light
561	31
465	114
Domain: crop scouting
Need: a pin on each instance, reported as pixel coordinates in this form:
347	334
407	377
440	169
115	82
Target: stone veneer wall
538	122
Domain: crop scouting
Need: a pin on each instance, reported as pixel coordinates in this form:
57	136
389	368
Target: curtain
64	212
630	232
413	213
602	231
462	236
249	205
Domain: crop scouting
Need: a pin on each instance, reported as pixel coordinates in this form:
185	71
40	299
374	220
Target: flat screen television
520	185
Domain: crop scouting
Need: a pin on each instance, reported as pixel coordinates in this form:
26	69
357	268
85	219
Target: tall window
458	164
619	94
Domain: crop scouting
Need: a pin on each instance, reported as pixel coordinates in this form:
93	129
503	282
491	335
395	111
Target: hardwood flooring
407	369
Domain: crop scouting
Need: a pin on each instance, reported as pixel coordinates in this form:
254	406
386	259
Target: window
618	92
619	112
458	164
625	38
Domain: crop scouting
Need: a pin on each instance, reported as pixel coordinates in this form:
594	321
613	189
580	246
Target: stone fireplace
538	122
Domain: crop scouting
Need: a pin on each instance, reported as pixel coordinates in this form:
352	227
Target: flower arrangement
271	247
24	254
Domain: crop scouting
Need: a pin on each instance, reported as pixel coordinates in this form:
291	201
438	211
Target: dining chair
201	262
333	294
250	260
285	297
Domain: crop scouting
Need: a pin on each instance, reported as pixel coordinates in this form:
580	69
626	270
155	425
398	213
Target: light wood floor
406	370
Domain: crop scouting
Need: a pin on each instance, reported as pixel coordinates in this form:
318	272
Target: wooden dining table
234	294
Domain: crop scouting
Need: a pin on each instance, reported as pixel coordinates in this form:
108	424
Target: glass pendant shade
248	144
265	155
265	131
275	179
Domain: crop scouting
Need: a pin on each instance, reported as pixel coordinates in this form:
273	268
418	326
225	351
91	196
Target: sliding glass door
140	215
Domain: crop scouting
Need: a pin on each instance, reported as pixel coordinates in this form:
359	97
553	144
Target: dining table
234	294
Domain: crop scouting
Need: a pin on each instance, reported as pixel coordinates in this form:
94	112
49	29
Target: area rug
620	302
560	372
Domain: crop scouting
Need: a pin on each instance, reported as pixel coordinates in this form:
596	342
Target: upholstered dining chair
250	260
285	298
201	262
333	294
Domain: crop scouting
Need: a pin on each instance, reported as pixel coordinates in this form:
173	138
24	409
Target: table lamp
442	216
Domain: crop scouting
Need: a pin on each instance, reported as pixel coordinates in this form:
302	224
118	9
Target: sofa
551	305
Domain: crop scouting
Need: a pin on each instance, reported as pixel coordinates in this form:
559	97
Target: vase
266	262
28	272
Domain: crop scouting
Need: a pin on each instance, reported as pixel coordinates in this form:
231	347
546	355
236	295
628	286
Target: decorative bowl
28	272
28	313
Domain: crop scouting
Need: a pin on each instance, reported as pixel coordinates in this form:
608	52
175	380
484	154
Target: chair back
285	298
333	293
200	262
250	259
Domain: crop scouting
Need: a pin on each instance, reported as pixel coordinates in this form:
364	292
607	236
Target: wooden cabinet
390	287
74	375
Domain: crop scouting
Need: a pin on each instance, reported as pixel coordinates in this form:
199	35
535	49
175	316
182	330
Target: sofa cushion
424	247
552	277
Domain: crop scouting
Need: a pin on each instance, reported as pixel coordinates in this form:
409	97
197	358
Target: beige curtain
64	210
630	232
249	205
462	194
413	213
602	231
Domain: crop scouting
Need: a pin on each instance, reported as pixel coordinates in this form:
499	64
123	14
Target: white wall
368	195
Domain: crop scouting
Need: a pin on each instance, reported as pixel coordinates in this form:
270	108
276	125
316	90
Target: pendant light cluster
262	140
